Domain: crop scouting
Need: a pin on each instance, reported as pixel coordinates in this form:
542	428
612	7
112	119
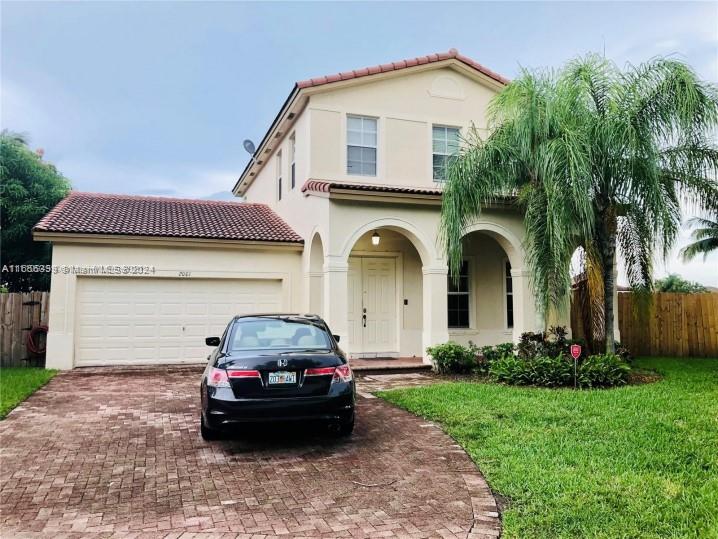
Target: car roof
306	316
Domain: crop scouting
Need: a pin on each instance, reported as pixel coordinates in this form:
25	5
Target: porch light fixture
375	238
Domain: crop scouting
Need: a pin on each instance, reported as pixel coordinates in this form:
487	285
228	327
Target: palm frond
598	157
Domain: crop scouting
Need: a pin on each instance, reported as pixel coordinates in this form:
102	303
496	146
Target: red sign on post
575	351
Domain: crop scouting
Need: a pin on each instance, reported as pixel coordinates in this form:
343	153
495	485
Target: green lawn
639	461
18	383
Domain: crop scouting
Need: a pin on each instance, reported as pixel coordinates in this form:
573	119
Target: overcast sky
156	97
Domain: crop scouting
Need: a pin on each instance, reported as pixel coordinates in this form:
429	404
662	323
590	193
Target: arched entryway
384	295
389	267
491	303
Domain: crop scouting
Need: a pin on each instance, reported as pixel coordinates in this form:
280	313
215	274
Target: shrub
606	370
452	358
486	355
623	353
540	371
603	370
530	345
549	371
555	342
492	353
510	370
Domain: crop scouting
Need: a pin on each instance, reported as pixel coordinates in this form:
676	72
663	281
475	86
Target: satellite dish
249	146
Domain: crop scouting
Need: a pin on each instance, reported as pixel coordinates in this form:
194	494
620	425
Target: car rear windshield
278	333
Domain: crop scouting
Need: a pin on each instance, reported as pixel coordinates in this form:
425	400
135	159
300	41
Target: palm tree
597	158
705	238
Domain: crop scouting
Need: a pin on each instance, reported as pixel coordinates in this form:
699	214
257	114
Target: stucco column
435	319
526	317
61	321
335	298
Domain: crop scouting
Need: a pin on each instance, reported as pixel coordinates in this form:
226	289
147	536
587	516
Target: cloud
689	34
90	174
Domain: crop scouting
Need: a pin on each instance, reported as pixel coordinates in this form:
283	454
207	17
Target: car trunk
276	381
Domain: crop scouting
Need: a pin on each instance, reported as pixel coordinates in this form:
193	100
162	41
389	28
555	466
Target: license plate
282	377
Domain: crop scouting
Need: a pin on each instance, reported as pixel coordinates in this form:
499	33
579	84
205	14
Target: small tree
676	283
600	159
29	188
705	238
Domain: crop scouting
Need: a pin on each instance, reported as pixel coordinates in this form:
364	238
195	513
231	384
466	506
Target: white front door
372	306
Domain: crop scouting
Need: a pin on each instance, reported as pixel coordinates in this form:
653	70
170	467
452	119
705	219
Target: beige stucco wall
501	233
406	104
406	107
200	261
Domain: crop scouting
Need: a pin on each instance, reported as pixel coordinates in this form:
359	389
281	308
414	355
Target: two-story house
343	199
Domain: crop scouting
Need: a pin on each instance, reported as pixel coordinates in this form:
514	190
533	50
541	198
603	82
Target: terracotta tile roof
403	64
327	186
96	213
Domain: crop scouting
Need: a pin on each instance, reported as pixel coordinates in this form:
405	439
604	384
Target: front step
388	365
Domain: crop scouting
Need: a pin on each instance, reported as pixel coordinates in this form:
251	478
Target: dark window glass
458	299
509	296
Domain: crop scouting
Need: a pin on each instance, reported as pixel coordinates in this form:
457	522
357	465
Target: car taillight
243	374
342	374
217	378
320	371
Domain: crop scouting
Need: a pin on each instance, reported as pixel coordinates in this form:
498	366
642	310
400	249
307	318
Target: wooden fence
680	325
675	325
19	313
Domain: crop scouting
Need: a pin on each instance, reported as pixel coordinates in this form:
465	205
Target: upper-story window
361	145
292	160
445	143
279	175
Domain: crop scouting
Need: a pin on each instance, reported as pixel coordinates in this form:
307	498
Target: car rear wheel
207	433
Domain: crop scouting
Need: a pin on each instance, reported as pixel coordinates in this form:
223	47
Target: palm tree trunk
607	250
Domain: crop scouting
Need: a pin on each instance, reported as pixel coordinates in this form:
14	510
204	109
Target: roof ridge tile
402	64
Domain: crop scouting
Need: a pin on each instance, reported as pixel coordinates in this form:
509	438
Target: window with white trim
458	298
444	144
279	175
292	159
509	289
361	145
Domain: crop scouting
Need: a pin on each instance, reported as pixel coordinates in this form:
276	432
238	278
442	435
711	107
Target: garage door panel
117	331
194	308
200	332
141	331
153	320
145	309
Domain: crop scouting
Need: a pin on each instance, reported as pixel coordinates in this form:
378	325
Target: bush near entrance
538	360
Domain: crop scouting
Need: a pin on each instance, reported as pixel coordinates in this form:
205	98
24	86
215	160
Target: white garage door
124	321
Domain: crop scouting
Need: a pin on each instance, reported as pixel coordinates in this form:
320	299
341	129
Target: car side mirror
336	337
212	341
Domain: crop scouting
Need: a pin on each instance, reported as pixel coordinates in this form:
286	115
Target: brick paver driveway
117	453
